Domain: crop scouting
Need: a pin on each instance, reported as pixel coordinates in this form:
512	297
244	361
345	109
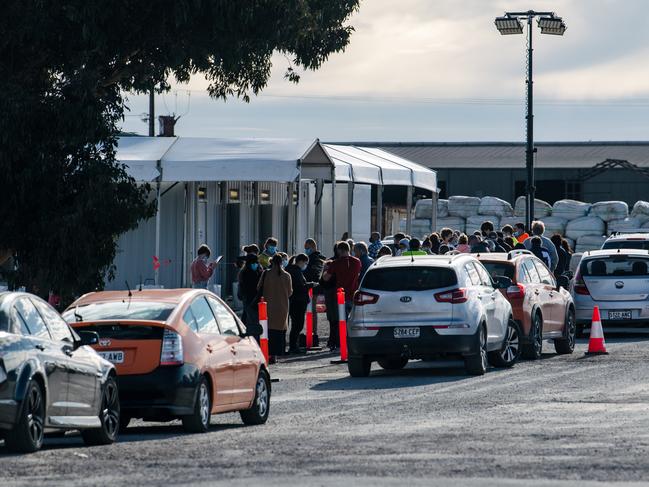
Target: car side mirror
502	282
254	330
87	338
563	282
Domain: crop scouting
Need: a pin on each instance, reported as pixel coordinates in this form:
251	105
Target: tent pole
156	271
183	277
409	210
350	208
318	224
379	209
433	216
333	208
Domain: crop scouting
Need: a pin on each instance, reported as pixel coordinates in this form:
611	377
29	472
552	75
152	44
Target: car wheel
359	366
511	350
532	350
27	434
393	363
108	415
199	420
567	344
477	364
258	413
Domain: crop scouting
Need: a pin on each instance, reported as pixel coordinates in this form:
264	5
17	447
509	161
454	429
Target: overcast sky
438	70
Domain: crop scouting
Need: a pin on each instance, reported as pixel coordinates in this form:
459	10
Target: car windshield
617	265
499	269
120	310
626	244
409	278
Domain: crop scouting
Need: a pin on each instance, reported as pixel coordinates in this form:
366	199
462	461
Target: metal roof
511	155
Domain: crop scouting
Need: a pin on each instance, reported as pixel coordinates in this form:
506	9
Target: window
473	274
484	275
226	321
57	326
409	278
204	317
618	265
31	319
626	244
531	272
189	320
544	274
499	269
523	275
126	309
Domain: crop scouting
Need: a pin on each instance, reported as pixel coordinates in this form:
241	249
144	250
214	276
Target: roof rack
629	231
515	253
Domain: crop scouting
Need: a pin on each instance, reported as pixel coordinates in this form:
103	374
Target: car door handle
479	296
537	292
233	350
209	349
40	347
551	295
68	352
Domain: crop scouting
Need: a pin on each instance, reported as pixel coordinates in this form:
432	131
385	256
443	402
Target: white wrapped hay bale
590	242
624	225
489	205
541	208
463	206
554	224
570	209
442	208
473	222
586	225
420	227
452	222
645	225
610	210
424	209
641	210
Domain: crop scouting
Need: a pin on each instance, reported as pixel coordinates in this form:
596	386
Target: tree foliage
64	68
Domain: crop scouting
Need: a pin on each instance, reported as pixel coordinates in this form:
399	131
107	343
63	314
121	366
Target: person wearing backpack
539	251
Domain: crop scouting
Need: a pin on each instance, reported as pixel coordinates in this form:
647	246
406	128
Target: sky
439	71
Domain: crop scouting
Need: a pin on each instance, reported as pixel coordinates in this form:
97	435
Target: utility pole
529	150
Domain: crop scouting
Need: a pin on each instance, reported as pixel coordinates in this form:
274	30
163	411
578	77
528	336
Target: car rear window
120	310
499	269
409	278
627	244
116	331
618	265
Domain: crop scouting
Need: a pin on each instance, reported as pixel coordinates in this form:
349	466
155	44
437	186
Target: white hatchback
424	307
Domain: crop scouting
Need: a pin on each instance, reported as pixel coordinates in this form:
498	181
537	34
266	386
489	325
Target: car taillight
580	285
362	298
517	291
454	296
172	349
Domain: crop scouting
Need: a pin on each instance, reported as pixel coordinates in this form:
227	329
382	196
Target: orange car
543	309
179	353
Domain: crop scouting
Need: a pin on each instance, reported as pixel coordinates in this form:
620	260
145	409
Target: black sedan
50	381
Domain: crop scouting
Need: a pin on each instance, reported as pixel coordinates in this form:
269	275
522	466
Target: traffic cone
309	322
262	308
342	324
596	344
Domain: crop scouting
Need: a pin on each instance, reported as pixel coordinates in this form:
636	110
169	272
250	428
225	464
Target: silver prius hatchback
616	280
424	307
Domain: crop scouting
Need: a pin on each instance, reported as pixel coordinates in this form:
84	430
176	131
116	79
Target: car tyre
199	420
27	434
359	366
566	345
258	413
109	415
477	364
511	349
393	363
533	350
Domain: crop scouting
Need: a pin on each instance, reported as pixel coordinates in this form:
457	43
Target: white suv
424	307
621	240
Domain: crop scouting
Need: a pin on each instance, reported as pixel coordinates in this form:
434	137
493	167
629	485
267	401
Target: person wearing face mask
299	299
202	270
248	282
270	249
275	286
375	245
520	233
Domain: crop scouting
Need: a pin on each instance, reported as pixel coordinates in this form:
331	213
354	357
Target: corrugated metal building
588	171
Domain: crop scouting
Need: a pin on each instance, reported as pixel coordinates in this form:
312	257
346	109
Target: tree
64	68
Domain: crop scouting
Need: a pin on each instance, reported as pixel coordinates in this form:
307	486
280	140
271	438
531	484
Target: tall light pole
508	24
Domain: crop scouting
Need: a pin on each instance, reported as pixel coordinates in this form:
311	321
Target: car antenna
77	316
130	294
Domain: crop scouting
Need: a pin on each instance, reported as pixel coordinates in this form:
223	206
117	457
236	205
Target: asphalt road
563	420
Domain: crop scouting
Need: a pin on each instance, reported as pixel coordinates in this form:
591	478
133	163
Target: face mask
518	233
254	266
303	267
308	251
284	263
203	258
271	249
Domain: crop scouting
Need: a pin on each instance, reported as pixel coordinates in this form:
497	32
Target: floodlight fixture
552	25
508	25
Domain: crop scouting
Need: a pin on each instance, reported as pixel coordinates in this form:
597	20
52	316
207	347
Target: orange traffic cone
596	344
263	321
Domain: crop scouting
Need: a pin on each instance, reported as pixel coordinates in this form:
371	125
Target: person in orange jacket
519	232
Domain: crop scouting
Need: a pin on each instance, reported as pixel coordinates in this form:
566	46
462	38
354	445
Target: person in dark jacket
540	251
316	261
361	253
248	281
564	259
299	300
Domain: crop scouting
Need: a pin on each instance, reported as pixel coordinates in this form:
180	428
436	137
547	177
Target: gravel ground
563	420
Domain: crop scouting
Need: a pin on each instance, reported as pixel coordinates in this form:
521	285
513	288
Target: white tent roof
364	165
211	159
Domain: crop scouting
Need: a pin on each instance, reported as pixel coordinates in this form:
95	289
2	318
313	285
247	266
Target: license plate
114	357
619	315
410	332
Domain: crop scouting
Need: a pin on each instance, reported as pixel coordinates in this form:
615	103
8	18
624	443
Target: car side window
544	273
523	277
189	320
32	320
484	275
226	321
205	321
532	272
57	326
474	277
19	323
